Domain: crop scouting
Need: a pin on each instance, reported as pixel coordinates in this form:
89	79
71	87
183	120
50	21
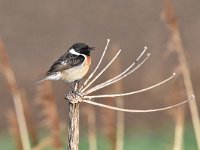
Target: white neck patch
72	51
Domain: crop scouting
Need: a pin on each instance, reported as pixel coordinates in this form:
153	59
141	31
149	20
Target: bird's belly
75	73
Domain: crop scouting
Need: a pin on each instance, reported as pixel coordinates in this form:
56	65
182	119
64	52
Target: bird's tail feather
53	76
41	80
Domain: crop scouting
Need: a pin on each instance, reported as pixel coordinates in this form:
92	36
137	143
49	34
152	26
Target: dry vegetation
24	131
176	43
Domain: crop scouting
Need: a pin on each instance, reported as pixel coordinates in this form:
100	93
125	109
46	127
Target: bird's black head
82	48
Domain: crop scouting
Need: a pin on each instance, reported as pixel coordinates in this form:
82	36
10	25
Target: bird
72	66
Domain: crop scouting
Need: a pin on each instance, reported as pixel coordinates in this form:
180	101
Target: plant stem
73	127
179	129
10	76
92	137
172	23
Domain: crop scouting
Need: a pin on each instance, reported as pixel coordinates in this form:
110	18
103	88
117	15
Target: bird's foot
74	97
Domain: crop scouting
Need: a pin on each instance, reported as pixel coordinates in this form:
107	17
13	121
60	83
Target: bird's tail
41	80
52	76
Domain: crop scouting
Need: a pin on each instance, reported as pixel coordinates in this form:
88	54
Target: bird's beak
92	48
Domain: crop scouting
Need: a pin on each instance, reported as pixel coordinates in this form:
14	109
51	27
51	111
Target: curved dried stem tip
131	93
138	111
98	75
94	71
122	75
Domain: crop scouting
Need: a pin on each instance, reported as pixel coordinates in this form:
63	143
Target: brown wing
65	62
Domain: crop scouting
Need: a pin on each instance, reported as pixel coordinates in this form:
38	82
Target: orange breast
88	61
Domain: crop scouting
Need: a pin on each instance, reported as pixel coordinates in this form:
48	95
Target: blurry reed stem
92	128
178	115
108	123
179	129
45	97
120	125
29	119
172	23
118	86
43	144
14	129
9	75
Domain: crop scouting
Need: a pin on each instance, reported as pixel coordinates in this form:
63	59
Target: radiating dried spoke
117	78
97	76
131	93
137	111
94	71
110	81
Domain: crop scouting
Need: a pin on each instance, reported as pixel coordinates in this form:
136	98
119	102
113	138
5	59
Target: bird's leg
76	87
72	88
76	84
74	92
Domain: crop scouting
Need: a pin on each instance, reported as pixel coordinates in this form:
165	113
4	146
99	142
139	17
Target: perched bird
72	66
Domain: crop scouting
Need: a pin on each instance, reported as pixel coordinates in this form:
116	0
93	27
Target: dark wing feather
66	61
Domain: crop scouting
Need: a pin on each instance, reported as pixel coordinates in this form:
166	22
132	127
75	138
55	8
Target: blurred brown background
37	32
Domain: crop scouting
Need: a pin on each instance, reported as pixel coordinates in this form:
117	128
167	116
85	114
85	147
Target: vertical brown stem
119	133
73	127
10	77
120	125
179	129
119	103
92	128
172	22
29	118
46	99
14	129
177	114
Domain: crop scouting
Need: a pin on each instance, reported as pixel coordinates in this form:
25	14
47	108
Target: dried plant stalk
138	110
87	98
46	99
10	77
43	144
94	71
179	129
73	123
108	123
92	129
178	114
77	96
114	128
99	74
120	124
91	124
172	23
120	76
29	119
14	129
119	144
133	92
73	126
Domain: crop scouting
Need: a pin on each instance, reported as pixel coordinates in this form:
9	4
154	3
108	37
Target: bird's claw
74	97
